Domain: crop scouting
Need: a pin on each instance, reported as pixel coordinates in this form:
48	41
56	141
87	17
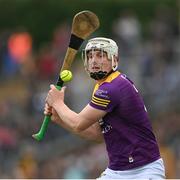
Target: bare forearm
78	122
84	124
70	122
93	133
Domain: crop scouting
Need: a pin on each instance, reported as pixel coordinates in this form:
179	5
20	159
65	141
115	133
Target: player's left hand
55	96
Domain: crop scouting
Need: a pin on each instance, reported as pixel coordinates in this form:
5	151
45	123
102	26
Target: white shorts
154	170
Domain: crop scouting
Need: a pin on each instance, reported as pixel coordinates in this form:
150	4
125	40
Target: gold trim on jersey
100	99
99	104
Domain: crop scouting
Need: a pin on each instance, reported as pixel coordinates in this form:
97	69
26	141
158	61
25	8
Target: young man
116	114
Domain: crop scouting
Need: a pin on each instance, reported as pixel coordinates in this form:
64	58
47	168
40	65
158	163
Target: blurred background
34	36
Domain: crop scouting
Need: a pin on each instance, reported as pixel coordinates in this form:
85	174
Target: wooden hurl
83	25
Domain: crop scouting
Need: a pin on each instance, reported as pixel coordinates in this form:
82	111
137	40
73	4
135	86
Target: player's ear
115	63
115	59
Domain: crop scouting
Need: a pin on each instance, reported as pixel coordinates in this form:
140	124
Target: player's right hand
47	110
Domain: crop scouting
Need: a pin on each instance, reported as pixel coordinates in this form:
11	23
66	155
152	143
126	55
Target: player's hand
47	109
54	95
55	117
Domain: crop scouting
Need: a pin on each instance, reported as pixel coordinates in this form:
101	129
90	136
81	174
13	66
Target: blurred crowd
149	55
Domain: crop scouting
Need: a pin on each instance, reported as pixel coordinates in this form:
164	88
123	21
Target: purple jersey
126	127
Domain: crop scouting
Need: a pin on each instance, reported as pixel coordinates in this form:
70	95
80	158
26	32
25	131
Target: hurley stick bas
83	25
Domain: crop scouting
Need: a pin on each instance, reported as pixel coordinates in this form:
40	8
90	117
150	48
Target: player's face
98	61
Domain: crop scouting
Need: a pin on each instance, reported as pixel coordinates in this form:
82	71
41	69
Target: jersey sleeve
103	99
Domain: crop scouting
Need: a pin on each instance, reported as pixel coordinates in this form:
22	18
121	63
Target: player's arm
93	132
76	121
